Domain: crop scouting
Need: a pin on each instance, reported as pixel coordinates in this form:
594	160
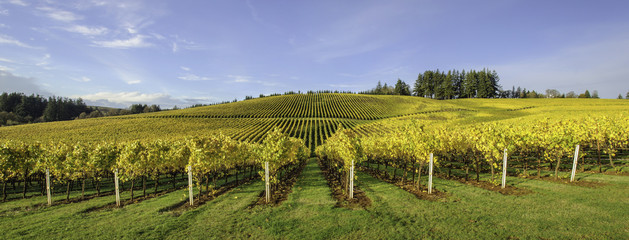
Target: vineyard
372	150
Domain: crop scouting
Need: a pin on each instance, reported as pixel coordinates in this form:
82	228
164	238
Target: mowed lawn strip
553	211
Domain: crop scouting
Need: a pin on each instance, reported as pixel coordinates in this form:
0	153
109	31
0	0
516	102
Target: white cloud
11	41
44	60
247	79
13	83
192	77
175	48
87	31
126	97
82	79
6	60
239	78
18	2
135	42
2	25
4	12
185	68
60	15
180	43
5	68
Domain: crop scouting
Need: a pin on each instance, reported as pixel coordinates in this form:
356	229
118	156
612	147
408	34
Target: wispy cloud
18	2
175	48
180	43
60	15
6	60
4	39
82	79
192	77
44	61
187	69
134	42
87	31
248	79
366	28
239	78
5	68
4	12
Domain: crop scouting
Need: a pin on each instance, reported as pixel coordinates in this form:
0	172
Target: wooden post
267	184
190	185
48	186
351	181
116	187
430	175
504	170
574	163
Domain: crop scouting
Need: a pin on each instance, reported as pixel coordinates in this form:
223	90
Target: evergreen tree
470	84
587	94
378	89
447	86
429	84
619	96
418	88
401	88
457	81
627	96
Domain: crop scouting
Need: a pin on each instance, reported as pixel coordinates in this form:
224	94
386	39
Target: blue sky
115	53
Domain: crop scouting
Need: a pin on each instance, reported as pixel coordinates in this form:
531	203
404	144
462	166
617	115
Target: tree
627	96
447	87
418	89
137	108
619	96
378	88
571	94
401	88
595	94
552	93
469	83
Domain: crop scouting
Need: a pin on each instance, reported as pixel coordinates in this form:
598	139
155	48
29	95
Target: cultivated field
311	142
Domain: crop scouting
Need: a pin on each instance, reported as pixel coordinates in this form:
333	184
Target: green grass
552	211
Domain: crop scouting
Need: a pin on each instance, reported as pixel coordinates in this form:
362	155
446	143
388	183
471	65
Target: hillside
312	117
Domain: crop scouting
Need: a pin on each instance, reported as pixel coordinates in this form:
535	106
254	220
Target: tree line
19	108
446	85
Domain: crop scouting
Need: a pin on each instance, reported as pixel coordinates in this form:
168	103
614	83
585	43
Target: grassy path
553	211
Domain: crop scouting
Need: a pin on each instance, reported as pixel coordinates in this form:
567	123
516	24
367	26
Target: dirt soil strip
408	186
184	205
360	199
283	189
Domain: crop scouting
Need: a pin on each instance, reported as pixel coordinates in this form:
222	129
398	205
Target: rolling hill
312	117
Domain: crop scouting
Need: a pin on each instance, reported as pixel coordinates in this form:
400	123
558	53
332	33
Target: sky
117	53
